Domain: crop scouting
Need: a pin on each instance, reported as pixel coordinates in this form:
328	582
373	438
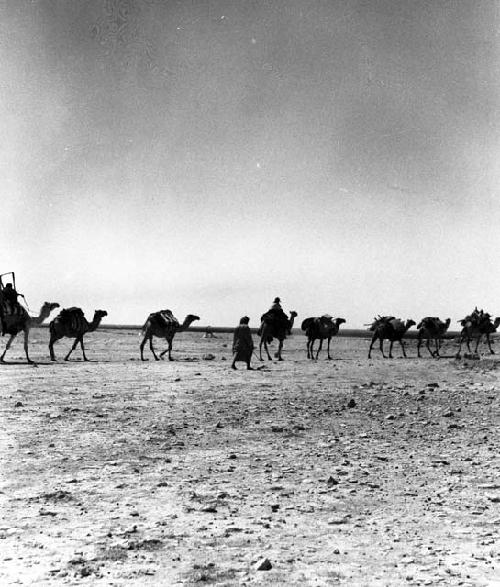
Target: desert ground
350	471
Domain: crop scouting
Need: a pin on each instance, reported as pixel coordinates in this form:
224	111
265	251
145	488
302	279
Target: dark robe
242	343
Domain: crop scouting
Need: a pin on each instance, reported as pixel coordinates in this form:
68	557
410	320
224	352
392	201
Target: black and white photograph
250	293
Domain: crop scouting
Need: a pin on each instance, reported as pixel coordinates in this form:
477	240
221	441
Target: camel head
98	316
496	324
339	321
409	324
188	320
46	309
293	314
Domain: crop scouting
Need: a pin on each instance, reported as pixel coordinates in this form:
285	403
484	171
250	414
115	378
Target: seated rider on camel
9	304
277	314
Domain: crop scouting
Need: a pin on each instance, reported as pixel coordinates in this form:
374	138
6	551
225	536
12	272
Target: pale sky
207	156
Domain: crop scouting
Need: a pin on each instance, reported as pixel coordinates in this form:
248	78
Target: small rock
19	405
448	414
264	565
331	481
208	357
351	404
338	521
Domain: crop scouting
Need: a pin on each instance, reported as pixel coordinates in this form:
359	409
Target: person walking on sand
242	343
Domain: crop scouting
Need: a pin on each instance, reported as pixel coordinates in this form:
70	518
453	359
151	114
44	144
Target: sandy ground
117	472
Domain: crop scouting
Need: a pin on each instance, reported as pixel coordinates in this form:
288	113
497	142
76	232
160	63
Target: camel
322	327
271	328
433	328
157	325
476	326
390	328
71	323
22	321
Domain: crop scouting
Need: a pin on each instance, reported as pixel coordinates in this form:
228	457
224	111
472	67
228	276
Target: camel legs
26	337
11	340
53	340
7	346
419	344
428	345
464	337
280	347
78	339
152	348
489	343
168	350
264	342
310	344
402	348
374	338
146	337
321	346
328	350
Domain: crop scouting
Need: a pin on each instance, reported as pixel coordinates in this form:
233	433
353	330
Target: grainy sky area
207	156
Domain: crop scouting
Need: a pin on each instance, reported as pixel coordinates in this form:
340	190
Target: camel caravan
274	324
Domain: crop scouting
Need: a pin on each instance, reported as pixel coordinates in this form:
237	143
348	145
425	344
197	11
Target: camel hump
307	323
397	323
72	317
429	322
381	321
8	308
162	318
73	311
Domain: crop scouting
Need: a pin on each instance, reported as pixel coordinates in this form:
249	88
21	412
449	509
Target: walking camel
163	325
274	328
390	328
320	328
21	321
475	327
71	323
432	328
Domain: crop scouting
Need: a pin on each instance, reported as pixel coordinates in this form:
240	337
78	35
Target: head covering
245	320
276	301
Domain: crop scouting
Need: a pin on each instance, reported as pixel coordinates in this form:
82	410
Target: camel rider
276	312
9	296
9	304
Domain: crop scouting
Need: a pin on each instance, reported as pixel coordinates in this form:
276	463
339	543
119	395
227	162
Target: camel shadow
23	363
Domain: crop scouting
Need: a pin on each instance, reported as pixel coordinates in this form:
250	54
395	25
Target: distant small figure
242	343
209	333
